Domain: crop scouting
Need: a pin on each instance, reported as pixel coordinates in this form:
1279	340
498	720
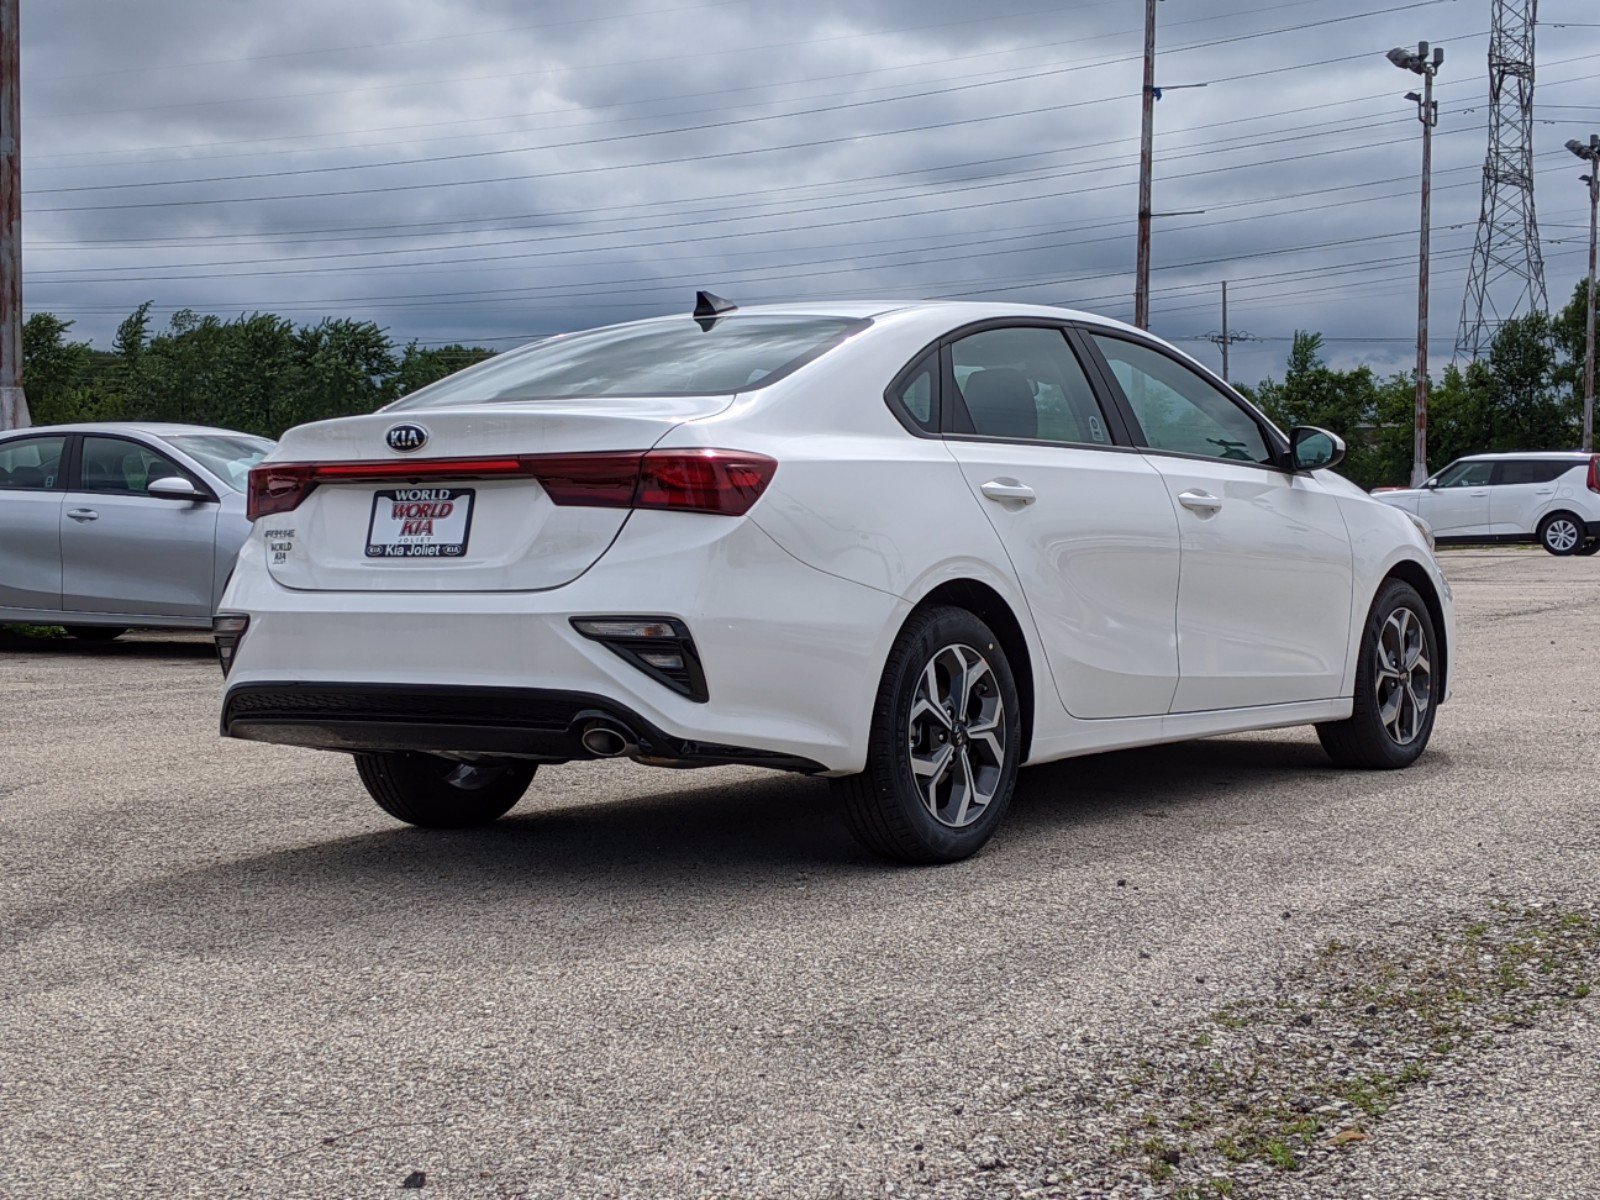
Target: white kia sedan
909	547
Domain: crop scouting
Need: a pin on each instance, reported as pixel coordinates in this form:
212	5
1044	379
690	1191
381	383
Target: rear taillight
725	482
1594	472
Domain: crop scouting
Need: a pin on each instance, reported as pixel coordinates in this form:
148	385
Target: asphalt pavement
224	972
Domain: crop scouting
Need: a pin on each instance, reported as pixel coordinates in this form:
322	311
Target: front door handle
1198	501
83	514
1483	492
1008	491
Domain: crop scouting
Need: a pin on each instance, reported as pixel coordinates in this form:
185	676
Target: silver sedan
111	526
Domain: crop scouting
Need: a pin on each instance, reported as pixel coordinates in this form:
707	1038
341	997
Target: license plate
427	522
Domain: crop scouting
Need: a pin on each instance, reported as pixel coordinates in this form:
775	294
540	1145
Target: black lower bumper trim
524	722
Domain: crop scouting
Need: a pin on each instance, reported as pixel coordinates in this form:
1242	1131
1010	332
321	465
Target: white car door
125	551
1455	502
30	521
1086	522
1265	586
1520	492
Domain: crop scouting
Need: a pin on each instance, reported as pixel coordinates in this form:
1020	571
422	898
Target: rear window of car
1535	470
660	358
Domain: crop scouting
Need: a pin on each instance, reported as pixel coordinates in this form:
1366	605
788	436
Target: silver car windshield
228	456
660	358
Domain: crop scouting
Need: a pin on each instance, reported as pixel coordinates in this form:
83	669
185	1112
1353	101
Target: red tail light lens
1594	473
708	481
725	482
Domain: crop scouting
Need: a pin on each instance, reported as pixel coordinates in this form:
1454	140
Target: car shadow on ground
665	855
128	646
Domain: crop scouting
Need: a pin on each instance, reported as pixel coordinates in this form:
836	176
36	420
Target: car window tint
1532	470
1467	474
669	357
31	464
1024	383
118	465
914	393
1180	410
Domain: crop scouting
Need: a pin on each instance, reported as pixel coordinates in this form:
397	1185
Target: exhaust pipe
606	739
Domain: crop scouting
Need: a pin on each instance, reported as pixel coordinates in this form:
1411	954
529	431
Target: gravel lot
224	972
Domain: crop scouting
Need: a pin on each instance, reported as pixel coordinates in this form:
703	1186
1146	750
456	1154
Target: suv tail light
723	482
1594	473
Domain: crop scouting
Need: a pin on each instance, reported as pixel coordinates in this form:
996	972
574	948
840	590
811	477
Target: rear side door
1457	505
1265	590
1084	519
1520	492
32	486
126	551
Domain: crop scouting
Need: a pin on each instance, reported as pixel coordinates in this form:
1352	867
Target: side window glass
32	464
116	465
1467	474
1179	410
1024	383
913	395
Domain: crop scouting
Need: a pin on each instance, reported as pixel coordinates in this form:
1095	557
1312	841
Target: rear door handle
83	514
1008	491
1198	501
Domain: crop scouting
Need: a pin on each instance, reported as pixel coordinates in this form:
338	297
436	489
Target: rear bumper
792	656
523	722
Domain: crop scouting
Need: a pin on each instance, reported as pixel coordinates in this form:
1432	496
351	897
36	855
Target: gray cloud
502	169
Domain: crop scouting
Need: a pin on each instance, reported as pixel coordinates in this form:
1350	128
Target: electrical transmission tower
1507	276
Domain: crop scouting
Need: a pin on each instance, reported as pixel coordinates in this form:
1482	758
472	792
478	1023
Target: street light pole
1590	153
1422	63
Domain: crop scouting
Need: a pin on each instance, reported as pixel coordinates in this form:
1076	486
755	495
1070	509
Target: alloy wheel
1561	535
1403	677
957	735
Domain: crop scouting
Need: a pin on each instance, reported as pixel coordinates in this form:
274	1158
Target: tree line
262	373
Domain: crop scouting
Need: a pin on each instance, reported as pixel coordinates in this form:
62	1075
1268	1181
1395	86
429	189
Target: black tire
438	793
1590	547
1365	740
95	633
884	806
1568	527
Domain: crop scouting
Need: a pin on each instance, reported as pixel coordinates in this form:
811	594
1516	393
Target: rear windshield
660	358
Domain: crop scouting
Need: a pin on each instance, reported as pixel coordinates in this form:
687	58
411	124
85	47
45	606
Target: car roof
150	428
1554	455
957	311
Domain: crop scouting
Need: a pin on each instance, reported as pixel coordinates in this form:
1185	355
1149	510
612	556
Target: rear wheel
95	633
944	746
1396	686
1561	533
439	793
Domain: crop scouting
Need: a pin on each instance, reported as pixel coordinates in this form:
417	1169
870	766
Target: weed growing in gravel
1283	1084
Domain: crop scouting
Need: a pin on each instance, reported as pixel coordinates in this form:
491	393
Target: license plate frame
421	504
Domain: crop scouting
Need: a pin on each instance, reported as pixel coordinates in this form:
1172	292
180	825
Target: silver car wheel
1561	535
1403	677
957	736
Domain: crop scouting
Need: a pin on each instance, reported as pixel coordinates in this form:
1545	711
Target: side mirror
1431	484
174	487
1312	449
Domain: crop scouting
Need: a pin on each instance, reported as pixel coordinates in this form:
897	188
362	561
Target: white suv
1552	498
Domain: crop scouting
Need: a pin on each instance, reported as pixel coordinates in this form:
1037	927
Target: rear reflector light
226	630
725	482
661	647
1594	473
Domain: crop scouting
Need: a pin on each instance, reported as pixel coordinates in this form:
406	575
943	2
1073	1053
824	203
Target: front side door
1457	505
1265	588
32	483
126	551
1086	523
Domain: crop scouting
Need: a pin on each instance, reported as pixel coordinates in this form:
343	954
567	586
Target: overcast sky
485	170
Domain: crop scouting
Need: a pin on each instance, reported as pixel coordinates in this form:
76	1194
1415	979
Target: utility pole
1147	145
1590	153
1421	63
1227	337
13	404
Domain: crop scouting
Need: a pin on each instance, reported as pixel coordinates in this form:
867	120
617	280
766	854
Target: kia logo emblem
406	437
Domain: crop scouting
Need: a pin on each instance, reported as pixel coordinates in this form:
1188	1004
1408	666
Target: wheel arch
1414	573
990	607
